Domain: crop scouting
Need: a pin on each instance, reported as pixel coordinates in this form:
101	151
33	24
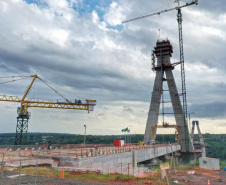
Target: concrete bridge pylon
164	73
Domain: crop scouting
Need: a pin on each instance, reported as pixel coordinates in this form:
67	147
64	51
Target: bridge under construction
130	154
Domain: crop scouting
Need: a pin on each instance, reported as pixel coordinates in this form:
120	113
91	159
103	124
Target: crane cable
13	80
80	97
13	76
167	5
26	77
54	90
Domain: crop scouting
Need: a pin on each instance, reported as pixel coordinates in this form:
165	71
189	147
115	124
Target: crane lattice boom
47	104
163	11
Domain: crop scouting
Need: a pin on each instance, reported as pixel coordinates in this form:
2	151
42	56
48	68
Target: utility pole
85	137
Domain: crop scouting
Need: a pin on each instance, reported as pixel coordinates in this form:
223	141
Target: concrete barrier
209	163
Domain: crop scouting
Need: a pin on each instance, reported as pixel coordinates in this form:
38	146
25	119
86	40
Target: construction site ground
41	180
30	179
49	170
200	177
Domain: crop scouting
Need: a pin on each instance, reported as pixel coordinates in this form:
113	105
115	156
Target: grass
196	163
42	171
90	176
222	164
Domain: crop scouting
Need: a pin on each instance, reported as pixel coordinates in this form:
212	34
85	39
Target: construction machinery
179	20
25	103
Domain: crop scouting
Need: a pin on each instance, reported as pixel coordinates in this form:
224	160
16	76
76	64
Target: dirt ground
200	177
30	180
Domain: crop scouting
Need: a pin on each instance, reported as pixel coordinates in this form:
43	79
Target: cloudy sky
82	50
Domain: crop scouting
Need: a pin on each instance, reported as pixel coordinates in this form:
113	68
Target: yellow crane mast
24	115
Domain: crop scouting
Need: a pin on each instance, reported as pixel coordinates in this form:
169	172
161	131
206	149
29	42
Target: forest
215	143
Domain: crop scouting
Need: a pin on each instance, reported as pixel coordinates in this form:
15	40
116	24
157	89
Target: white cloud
3	6
58	36
96	21
115	14
59	4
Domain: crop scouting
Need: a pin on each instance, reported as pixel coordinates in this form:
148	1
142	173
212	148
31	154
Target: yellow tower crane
24	115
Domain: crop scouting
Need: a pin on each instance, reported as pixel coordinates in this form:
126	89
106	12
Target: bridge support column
193	157
154	161
182	157
175	156
166	157
134	158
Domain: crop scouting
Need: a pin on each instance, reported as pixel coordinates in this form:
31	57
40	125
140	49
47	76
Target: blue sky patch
33	1
86	7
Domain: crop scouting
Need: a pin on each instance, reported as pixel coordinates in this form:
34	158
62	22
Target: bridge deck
75	153
108	158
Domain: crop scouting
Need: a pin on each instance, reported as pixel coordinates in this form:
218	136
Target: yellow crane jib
25	103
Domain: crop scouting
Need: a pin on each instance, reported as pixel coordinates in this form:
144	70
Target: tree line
215	143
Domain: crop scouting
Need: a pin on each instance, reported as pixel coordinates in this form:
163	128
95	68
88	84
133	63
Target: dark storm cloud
79	77
216	6
55	60
144	39
12	62
209	110
4	67
212	110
